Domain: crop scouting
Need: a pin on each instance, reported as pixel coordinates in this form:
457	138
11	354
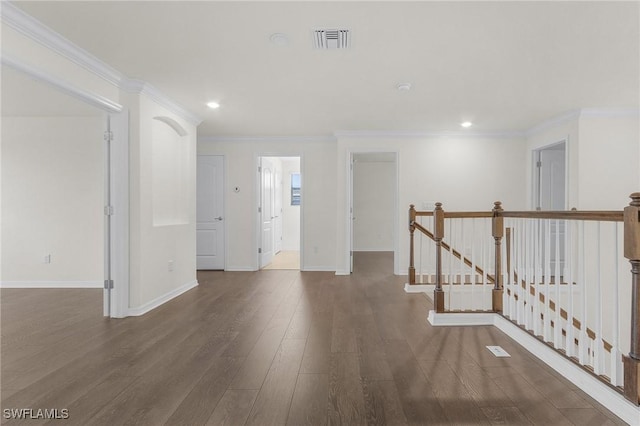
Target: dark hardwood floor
274	348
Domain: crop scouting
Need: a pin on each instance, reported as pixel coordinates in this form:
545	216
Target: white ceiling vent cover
332	39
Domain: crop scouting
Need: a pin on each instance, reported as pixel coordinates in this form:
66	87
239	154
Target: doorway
68	201
373	204
279	211
550	193
550	177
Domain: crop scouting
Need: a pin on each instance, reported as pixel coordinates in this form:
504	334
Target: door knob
217	218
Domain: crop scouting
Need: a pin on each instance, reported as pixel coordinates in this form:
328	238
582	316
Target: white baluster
536	277
557	328
598	343
570	346
451	241
512	277
473	264
616	360
484	264
546	326
583	342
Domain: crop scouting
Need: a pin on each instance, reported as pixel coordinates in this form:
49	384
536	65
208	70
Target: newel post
412	228
632	252
438	235
497	230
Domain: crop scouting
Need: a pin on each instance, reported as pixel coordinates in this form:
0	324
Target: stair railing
557	274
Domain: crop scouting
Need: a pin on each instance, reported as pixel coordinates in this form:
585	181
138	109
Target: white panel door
210	212
266	211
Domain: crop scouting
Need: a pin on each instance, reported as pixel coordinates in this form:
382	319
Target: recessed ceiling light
404	87
466	124
213	105
279	39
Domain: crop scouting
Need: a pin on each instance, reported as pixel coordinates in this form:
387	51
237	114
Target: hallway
274	347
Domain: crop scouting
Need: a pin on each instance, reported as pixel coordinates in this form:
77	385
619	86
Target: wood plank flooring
274	347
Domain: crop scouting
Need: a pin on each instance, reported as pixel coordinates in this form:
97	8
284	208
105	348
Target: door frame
350	196
116	255
257	201
535	175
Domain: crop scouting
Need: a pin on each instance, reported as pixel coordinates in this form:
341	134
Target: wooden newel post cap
632	228
438	206
412	206
497	205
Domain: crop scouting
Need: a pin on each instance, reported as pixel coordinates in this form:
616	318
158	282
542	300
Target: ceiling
505	66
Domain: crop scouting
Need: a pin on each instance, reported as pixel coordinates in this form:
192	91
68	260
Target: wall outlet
47	258
170	266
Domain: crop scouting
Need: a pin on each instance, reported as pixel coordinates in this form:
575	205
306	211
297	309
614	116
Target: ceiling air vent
332	39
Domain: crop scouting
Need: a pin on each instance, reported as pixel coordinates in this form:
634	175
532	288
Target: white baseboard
460	319
374	250
141	310
51	284
318	269
419	288
241	269
605	395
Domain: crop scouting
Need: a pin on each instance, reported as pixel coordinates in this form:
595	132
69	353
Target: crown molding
35	30
552	122
417	135
64	86
610	112
144	88
264	139
583	112
38	32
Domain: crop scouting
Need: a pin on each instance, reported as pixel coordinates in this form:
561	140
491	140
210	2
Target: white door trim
347	215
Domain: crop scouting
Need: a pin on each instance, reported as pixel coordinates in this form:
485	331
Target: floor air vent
332	39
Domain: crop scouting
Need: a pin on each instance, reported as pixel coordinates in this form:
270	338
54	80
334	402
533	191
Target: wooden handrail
467	215
601	216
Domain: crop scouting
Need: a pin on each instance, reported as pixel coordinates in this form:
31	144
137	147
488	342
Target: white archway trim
173	124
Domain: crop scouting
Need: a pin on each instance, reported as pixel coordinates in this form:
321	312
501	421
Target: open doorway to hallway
55	233
373	204
279	211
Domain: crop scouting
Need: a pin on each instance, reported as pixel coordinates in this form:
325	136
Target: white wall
603	156
160	232
374	190
464	173
52	200
608	153
319	202
290	214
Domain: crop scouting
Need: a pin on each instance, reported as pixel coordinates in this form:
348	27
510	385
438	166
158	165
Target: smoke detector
332	39
404	87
